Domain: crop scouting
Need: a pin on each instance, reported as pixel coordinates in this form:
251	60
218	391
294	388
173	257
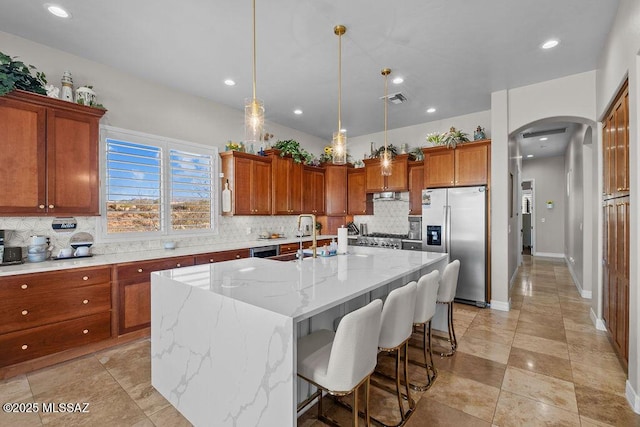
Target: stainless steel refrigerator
454	220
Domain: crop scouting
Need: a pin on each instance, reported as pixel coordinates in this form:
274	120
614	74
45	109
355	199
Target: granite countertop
300	289
98	260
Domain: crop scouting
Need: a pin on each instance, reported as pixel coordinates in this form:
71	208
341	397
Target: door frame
533	214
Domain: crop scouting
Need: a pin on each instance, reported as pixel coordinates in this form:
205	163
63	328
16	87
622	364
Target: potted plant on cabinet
17	75
292	147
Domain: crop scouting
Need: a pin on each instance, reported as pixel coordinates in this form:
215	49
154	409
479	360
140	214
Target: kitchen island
223	336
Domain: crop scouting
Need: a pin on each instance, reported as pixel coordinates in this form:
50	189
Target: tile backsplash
230	229
390	216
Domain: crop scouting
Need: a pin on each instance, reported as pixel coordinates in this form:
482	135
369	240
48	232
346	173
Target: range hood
387	195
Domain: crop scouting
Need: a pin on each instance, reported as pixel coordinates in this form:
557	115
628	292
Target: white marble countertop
97	260
302	289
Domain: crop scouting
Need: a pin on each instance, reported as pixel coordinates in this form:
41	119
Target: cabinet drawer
221	256
32	284
289	248
141	271
49	339
53	305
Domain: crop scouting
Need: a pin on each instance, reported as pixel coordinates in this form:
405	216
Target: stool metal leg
430	369
452	332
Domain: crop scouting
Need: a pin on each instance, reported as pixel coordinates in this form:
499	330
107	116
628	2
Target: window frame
166	145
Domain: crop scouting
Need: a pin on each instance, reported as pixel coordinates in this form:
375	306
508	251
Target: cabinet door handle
24	346
25	312
51	206
210	259
238	256
85	277
139	270
86	301
178	265
85	331
41	206
24	286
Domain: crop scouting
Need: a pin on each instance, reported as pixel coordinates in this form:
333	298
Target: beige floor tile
605	407
588	422
541	319
572	325
499	336
64	373
541	363
169	417
468	396
541	331
473	367
542	388
15	389
608	361
579	341
541	345
485	349
21	418
607	380
430	412
515	410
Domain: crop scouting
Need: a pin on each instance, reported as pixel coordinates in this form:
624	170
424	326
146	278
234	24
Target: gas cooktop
384	240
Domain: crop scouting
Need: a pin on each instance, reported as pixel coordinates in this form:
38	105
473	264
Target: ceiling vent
395	98
544	132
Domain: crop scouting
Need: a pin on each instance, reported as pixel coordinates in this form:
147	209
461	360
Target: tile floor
542	363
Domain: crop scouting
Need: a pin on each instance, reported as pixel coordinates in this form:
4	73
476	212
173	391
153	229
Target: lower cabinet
45	313
134	290
221	256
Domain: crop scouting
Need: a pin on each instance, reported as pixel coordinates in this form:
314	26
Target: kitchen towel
343	240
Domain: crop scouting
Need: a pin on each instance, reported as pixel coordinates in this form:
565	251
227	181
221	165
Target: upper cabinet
335	179
49	156
313	198
286	176
249	181
468	164
375	182
359	202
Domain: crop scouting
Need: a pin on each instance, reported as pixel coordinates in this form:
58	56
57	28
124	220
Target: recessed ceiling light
550	44
229	82
431	110
57	11
544	138
529	155
397	80
297	111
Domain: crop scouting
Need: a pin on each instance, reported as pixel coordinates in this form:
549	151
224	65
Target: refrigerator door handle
447	228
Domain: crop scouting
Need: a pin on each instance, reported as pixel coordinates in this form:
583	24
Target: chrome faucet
314	247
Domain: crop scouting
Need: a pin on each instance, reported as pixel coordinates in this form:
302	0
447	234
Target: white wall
549	177
515	214
620	58
574	200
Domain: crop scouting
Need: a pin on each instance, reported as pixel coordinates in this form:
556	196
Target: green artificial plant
292	147
16	74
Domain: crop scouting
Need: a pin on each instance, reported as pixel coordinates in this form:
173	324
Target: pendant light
385	160
339	141
253	107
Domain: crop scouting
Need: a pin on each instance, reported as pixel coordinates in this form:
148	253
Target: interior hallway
541	363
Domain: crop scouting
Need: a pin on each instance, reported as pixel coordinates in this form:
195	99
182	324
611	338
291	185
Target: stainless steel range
382	240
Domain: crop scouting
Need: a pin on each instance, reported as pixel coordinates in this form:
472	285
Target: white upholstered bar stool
395	330
340	363
426	296
446	294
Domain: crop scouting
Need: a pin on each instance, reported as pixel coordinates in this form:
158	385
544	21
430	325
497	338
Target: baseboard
584	294
633	398
501	305
599	324
548	254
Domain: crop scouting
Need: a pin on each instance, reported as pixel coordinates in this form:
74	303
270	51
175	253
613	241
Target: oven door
265	251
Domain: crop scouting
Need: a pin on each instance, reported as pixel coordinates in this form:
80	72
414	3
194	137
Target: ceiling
452	54
545	139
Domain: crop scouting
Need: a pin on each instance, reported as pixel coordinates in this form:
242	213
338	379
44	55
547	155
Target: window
156	186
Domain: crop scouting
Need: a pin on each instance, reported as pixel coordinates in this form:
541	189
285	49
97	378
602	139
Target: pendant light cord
339	83
254	50
386	76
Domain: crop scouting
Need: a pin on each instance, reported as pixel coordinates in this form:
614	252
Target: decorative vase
85	96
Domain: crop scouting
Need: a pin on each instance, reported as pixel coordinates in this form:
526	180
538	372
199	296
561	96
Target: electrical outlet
543	219
248	230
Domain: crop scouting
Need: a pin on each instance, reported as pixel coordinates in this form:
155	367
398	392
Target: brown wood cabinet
249	181
134	290
416	182
616	217
221	256
375	182
286	177
313	191
49	153
359	202
44	313
335	177
468	164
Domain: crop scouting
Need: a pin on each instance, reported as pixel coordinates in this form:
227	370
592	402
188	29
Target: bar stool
395	331
426	296
340	363
446	294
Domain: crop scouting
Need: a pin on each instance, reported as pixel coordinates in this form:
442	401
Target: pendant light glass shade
339	141
253	107
385	159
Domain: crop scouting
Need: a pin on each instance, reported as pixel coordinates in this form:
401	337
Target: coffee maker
415	228
9	254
